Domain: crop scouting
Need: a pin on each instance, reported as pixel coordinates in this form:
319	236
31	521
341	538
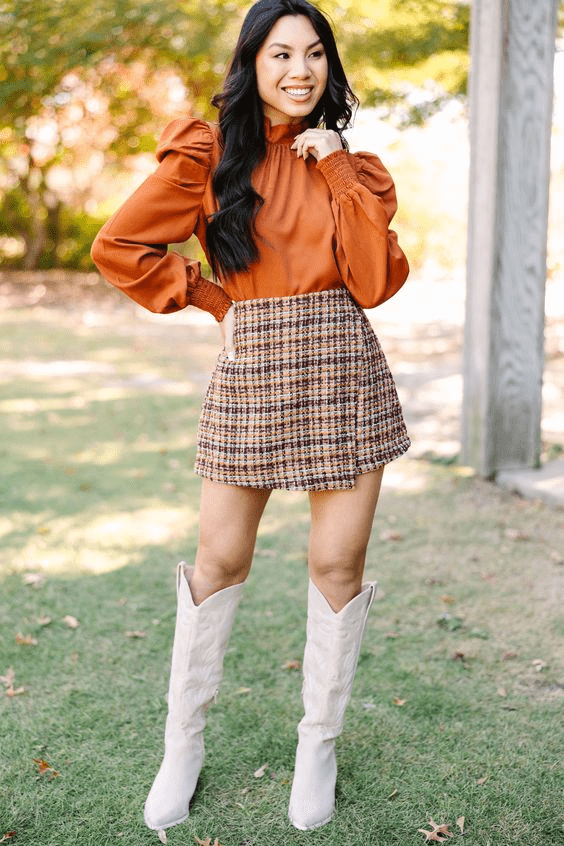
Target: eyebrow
289	46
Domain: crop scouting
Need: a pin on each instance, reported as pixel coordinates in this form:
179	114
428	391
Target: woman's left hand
227	326
318	142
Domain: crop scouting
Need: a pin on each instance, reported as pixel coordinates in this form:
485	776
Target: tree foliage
408	54
87	83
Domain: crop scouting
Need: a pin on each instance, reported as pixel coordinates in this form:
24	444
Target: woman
296	231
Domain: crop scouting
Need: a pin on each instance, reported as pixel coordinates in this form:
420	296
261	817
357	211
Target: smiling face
291	68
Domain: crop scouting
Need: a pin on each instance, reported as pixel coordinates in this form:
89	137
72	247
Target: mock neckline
283	133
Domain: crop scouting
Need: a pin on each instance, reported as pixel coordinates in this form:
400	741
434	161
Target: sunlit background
87	87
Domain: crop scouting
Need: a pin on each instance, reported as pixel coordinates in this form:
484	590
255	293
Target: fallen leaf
398	701
15	691
261	771
390	535
458	656
135	634
44	621
508	656
45	768
71	621
460	824
8	682
242	690
538	664
43	530
34	579
25	640
8	836
436	832
488	577
516	535
8	679
290	665
207	841
447	598
482	780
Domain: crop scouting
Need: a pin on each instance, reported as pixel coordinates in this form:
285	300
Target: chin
298	111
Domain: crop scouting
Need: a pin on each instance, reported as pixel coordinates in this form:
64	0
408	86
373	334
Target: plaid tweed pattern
308	403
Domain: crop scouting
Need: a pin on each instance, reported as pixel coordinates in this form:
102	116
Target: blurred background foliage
86	86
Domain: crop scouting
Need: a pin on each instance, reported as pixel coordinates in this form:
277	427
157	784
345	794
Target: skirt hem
344	483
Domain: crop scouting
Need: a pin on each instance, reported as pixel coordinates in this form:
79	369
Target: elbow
386	283
401	271
398	271
97	252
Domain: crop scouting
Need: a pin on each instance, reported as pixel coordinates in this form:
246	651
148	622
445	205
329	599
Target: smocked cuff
210	297
338	171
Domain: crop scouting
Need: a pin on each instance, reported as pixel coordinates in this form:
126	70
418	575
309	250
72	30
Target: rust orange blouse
323	224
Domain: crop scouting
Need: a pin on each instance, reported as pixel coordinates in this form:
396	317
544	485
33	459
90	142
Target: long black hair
230	232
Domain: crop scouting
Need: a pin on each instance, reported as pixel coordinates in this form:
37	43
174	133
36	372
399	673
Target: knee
331	553
339	580
339	567
221	563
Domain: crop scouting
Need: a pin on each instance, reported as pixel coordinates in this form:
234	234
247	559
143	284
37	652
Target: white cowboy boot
330	659
200	640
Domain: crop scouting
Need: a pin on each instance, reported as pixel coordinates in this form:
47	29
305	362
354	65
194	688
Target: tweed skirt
306	400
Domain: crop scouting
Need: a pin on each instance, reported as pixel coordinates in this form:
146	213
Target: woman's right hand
227	326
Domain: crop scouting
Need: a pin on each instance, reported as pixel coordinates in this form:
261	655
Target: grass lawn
458	705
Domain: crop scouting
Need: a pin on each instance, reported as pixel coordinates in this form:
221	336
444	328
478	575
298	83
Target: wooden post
511	82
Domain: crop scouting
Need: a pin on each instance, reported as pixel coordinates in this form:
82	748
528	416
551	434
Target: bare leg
341	522
229	520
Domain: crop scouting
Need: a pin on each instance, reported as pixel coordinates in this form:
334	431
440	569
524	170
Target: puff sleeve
131	248
363	200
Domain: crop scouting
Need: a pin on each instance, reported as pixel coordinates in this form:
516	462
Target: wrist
339	171
330	149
